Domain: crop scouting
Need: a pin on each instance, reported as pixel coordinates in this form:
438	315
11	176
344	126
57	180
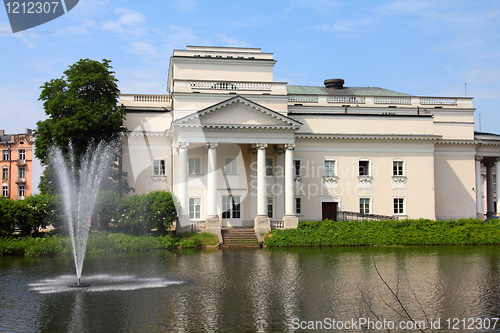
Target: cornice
397	137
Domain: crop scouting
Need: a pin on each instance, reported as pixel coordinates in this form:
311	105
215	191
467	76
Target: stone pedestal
290	222
183	224
213	225
262	225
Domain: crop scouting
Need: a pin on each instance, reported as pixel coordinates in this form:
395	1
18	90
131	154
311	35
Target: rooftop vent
334	83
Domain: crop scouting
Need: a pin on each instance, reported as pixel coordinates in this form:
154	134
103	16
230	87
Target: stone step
239	237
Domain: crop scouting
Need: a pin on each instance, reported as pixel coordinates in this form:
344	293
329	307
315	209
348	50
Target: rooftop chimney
334	83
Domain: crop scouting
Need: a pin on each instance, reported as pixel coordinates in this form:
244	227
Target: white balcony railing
393	100
303	98
437	101
224	85
152	98
276	224
346	99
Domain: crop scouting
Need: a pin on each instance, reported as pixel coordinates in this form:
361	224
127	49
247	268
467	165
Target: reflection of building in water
240	149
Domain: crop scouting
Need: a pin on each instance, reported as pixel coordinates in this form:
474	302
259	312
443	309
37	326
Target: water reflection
249	290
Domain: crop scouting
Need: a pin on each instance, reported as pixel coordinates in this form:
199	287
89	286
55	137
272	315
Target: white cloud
127	20
230	41
185	5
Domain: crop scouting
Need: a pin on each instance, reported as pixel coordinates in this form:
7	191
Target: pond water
256	290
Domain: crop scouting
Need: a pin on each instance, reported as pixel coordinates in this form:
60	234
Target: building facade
240	149
16	164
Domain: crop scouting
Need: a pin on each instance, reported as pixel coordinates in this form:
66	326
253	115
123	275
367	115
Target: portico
237	144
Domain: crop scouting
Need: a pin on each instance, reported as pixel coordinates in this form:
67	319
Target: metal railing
355	216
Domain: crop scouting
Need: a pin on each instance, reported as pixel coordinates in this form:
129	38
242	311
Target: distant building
16	164
240	149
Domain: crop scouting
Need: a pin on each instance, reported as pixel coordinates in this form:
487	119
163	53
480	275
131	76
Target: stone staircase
239	237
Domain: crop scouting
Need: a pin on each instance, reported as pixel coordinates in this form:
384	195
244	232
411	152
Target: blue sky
419	47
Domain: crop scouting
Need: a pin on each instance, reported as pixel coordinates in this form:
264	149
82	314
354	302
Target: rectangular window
269	167
231	207
329	168
364	205
5	155
397	168
194	166
270	206
297	167
194	208
22	154
364	168
399	207
159	168
230	166
21	191
298	206
5	173
5	191
22	173
236	208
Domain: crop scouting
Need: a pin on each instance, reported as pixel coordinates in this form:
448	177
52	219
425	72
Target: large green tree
82	109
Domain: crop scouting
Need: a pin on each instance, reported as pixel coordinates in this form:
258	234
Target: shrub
390	232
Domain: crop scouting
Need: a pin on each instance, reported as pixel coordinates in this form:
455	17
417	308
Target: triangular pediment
238	112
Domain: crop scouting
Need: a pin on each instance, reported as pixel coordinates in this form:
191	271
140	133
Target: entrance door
231	211
329	210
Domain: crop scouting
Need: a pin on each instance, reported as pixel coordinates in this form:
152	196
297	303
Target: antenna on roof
465	89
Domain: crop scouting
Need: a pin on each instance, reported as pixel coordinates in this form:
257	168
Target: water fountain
79	188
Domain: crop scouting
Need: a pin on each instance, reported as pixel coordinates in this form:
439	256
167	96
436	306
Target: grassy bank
390	232
102	243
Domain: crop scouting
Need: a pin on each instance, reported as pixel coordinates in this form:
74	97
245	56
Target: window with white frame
364	167
230	166
22	154
22	173
5	173
270	207
297	164
195	208
5	191
194	166
5	155
398	168
298	206
231	207
21	191
329	167
399	205
159	168
269	166
365	205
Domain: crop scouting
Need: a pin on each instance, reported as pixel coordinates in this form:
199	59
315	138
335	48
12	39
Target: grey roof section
346	91
486	136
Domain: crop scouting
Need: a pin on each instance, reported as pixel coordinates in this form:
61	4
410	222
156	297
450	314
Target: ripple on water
99	283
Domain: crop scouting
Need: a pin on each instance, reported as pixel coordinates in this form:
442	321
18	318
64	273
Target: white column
182	178
212	181
479	186
289	174
261	180
490	200
497	173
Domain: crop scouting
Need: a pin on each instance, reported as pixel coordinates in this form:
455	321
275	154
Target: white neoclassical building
239	149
